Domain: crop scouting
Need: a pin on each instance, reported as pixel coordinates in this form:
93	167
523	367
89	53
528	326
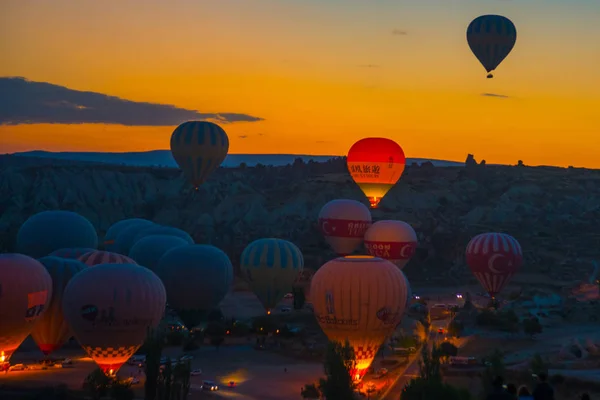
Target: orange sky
321	75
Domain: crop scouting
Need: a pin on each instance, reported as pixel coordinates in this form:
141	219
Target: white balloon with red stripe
395	241
343	223
494	258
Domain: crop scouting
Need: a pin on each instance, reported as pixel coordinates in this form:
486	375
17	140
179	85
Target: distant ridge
164	158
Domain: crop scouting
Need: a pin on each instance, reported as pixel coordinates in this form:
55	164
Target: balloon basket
490	76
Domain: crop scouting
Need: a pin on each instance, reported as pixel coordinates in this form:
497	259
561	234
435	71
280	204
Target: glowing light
359	257
268	312
2	356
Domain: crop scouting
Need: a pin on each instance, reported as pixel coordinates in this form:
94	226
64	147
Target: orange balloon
375	164
25	292
111	308
360	299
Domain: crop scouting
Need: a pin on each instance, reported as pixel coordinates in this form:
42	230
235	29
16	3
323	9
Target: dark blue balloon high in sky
491	38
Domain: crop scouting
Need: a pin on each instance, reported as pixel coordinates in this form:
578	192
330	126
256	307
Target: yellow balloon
360	299
199	147
271	266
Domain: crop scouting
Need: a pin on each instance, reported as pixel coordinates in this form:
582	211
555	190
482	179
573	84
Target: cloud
27	102
243	136
370	66
500	96
399	32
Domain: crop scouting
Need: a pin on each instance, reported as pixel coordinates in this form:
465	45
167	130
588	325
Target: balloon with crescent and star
375	164
395	241
494	258
343	223
491	39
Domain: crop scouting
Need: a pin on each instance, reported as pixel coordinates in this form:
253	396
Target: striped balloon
494	258
491	38
52	330
104	257
72	253
271	267
199	147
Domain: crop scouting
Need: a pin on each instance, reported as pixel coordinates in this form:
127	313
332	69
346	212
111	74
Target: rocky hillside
553	212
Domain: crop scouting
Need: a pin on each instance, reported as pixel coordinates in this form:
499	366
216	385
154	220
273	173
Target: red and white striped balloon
104	257
494	258
395	241
343	224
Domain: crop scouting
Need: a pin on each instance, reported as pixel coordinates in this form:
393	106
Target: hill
553	212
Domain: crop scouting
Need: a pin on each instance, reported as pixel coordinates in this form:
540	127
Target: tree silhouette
340	362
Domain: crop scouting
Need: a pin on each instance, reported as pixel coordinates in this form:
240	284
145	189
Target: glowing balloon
48	231
120	226
375	164
394	241
148	250
52	330
111	308
271	266
25	292
360	299
164	230
197	277
98	257
199	147
494	258
127	237
491	38
72	253
343	224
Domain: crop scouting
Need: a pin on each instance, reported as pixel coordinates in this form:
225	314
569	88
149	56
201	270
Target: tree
310	391
153	346
447	349
96	384
494	367
455	328
532	326
340	364
422	389
216	332
299	297
538	365
429	364
215	315
121	391
181	376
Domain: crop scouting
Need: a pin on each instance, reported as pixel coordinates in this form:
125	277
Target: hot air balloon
375	164
360	299
148	250
271	266
199	147
120	226
163	230
127	237
494	258
197	277
25	292
48	231
491	38
343	224
52	330
111	308
72	253
394	241
98	257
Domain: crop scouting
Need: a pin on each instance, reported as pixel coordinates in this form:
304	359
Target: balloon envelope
118	227
391	240
111	308
98	257
360	299
199	147
163	230
48	231
52	330
343	223
375	164
271	266
197	277
494	258
149	249
72	253
127	237
491	38
25	292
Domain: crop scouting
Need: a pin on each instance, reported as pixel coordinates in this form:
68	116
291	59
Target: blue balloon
148	250
127	237
48	231
72	253
118	227
164	230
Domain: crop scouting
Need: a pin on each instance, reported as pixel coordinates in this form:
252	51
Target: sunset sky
304	76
